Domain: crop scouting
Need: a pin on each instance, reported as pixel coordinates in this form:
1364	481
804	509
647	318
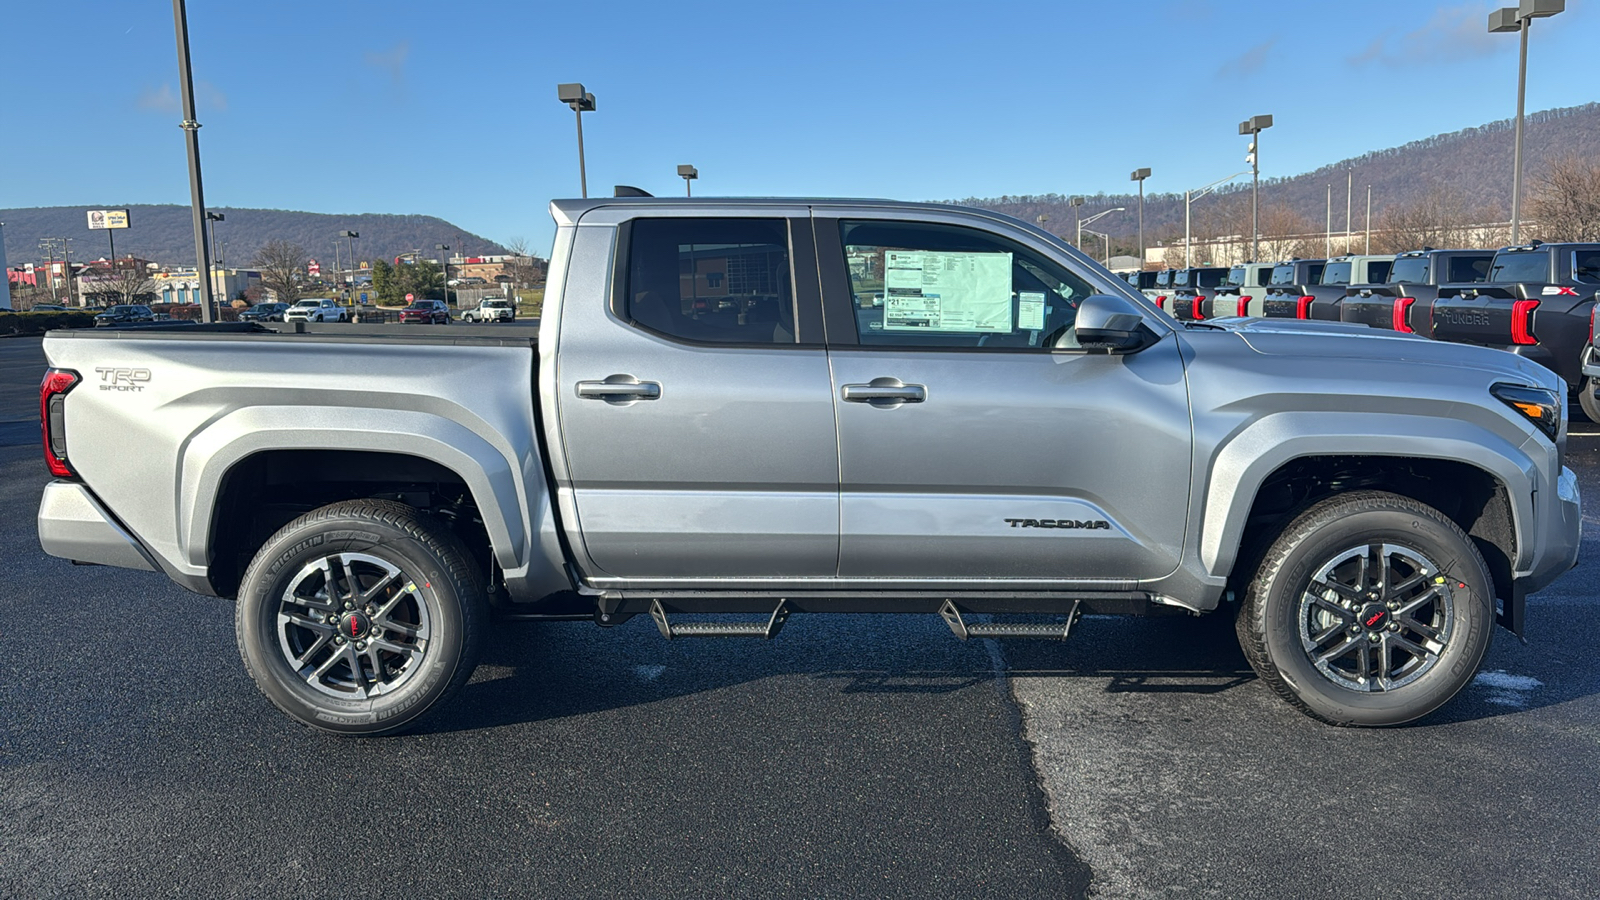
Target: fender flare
495	482
1242	464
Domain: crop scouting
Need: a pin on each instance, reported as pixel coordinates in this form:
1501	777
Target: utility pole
191	131
1349	185
1327	241
1140	175
1368	249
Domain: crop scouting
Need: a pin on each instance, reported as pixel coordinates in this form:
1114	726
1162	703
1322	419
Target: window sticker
1030	311
949	292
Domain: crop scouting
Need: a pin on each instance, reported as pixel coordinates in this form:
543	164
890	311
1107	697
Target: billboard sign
107	218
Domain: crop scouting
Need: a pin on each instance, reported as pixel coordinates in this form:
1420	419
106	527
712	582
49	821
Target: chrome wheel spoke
359	655
304	659
1387	625
1339	650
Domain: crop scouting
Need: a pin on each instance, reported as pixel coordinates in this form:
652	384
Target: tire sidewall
1587	401
260	596
1472	615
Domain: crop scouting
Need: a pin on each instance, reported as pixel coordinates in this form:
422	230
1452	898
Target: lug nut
1394	626
1373	637
361	645
377	633
338	640
333	620
349	605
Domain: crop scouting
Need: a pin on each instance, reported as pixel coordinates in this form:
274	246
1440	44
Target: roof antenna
626	190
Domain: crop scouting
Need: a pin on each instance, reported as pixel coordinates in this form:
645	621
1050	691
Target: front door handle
619	389
884	392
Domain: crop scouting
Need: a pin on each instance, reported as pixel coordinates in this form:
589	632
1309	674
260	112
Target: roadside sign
107	218
410	297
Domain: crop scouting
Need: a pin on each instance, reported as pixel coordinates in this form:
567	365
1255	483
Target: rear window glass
1283	274
1314	274
1523	266
1468	269
1336	273
1147	279
1164	278
1586	266
712	280
1181	278
1410	270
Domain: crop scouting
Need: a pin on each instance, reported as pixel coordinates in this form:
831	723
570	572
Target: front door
694	401
977	440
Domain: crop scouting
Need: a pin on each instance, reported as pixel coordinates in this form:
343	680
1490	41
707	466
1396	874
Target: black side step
768	631
952	617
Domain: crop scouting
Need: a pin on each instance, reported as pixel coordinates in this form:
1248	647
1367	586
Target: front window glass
927	285
1409	270
1336	273
1524	266
712	280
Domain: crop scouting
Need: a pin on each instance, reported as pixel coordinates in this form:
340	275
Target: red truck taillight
1199	314
1402	314
52	418
1522	321
1304	312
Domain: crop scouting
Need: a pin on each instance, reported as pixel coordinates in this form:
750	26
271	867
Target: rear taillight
1304	312
1522	321
1199	313
52	418
1402	314
1161	301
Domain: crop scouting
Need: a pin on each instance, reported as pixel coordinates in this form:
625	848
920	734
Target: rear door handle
619	388
884	392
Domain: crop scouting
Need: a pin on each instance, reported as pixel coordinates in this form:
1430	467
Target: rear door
976	439
695	400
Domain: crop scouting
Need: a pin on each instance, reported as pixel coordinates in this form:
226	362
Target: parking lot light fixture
688	174
1077	215
1191	196
1519	18
581	101
444	263
1140	175
351	236
1253	126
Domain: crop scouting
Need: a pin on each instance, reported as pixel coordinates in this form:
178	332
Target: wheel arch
1328	453
379	450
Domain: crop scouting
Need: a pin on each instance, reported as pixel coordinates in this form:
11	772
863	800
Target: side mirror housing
1112	323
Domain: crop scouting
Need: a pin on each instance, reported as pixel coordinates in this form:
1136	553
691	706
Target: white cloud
208	98
1452	34
1248	62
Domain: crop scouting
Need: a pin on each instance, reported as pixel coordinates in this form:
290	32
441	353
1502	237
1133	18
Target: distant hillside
1476	162
165	234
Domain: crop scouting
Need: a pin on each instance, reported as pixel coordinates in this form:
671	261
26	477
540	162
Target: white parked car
492	309
317	309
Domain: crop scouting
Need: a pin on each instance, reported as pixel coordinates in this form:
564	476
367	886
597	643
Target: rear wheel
360	617
1369	609
1586	399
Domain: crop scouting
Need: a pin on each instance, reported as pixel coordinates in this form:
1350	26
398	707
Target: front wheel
1586	399
360	617
1369	609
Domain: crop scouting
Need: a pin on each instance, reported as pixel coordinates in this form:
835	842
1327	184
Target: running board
952	617
768	631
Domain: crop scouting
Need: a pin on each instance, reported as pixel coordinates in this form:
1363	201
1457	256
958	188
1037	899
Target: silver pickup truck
774	407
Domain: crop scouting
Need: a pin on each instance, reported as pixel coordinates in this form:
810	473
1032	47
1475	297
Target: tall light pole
1077	215
1091	220
1107	238
191	131
351	236
688	174
215	217
581	101
1140	175
444	261
1369	220
1191	196
1520	18
1253	126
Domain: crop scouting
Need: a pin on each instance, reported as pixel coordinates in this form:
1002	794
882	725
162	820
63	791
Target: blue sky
450	109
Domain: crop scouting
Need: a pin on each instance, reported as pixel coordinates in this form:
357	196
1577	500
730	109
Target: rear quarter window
1586	266
1469	269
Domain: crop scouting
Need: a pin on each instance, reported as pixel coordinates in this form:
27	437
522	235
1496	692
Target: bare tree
283	268
1439	218
1565	202
119	284
518	245
1286	234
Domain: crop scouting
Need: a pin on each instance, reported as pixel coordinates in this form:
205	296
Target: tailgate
1476	314
1370	304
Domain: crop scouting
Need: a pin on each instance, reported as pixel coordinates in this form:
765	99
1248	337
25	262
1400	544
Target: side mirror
1112	323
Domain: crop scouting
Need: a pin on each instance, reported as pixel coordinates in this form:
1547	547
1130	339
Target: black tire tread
466	580
1250	626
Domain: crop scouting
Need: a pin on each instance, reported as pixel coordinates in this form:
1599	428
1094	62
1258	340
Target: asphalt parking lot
852	757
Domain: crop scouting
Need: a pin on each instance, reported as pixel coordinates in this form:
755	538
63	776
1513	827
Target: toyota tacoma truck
717	417
1405	301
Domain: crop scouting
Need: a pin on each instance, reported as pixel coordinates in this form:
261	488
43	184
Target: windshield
307	304
1409	269
1528	265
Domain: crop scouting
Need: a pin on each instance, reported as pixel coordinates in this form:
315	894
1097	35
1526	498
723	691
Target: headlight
1541	407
